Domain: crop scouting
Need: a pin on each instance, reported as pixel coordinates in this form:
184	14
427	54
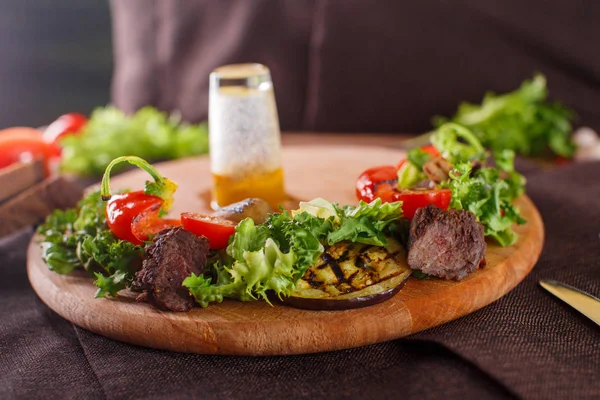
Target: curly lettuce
79	238
486	191
148	133
272	257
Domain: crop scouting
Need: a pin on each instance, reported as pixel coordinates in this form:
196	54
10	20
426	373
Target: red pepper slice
123	209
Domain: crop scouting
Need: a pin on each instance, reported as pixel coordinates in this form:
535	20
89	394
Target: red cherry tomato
382	182
122	209
217	230
369	181
149	224
25	144
65	125
412	200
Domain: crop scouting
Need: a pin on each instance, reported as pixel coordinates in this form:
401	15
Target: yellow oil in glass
265	185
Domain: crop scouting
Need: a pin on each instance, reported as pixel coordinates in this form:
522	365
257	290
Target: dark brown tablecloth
357	65
527	344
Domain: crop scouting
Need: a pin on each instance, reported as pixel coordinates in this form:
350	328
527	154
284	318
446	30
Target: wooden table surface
333	139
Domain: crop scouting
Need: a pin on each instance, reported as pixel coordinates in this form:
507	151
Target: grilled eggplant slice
352	275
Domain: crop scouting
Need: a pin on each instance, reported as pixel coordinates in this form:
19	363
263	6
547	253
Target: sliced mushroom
438	169
254	208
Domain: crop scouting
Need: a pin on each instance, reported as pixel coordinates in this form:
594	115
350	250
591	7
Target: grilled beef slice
173	255
448	245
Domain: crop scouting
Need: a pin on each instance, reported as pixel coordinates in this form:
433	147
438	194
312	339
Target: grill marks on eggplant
347	267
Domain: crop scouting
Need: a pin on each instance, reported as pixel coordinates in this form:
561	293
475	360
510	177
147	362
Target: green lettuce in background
523	121
149	133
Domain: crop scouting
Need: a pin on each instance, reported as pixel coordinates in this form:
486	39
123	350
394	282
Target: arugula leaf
522	120
148	133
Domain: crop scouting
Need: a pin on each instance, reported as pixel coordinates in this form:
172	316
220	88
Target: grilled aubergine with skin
352	275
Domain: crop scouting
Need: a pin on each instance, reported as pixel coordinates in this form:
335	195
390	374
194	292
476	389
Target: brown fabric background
527	344
358	65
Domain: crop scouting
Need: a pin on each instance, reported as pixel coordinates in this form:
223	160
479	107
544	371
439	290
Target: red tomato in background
65	125
25	144
217	230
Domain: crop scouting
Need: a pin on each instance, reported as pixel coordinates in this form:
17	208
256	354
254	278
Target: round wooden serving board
256	328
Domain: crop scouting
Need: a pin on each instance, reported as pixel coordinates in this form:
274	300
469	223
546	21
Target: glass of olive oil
244	135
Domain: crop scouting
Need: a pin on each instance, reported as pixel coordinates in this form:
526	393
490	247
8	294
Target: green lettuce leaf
148	133
489	198
522	120
457	144
80	238
271	257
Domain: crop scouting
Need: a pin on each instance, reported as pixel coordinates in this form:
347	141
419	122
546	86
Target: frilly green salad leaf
148	133
485	191
522	121
80	238
272	256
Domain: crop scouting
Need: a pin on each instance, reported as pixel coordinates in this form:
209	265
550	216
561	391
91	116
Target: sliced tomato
122	209
25	144
369	181
216	230
412	200
382	182
67	124
148	224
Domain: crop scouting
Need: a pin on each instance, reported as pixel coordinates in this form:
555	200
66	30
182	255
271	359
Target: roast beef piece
173	255
448	245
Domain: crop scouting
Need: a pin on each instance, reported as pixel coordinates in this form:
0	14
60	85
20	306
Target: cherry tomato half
217	230
122	209
369	182
148	224
25	144
65	125
412	200
382	182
